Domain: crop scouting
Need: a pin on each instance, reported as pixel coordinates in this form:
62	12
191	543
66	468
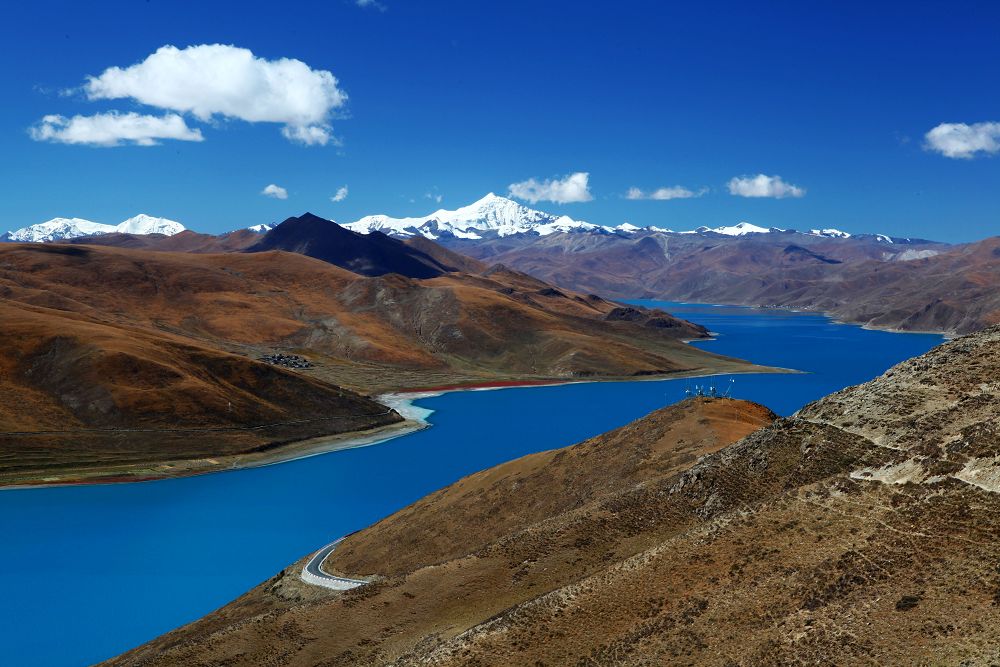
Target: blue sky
456	99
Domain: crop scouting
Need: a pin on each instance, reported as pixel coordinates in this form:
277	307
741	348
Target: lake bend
91	571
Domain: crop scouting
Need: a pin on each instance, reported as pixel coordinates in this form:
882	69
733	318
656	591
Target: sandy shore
203	466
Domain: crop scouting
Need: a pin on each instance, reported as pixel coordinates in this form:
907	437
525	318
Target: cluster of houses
287	360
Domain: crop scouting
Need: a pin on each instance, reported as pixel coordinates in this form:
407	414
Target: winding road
313	572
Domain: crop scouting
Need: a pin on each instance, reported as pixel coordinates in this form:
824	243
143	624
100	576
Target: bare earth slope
862	530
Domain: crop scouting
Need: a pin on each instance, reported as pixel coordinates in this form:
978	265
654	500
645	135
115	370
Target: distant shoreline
948	335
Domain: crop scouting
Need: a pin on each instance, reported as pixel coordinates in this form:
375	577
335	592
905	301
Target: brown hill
862	530
130	338
186	241
85	397
913	286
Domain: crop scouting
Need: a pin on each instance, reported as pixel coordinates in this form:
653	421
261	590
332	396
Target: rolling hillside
861	530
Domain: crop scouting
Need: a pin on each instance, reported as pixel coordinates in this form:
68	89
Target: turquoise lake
89	572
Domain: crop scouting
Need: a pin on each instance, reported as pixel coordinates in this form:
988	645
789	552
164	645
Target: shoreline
301	449
402	401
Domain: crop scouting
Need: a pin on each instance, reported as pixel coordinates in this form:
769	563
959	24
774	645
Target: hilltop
860	530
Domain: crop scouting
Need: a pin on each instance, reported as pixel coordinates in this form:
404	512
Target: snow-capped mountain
495	216
740	229
59	229
146	224
744	228
260	229
490	216
830	233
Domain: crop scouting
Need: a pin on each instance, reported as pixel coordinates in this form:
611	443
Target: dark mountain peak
312	217
372	254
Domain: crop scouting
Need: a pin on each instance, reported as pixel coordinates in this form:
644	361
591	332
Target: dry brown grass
106	337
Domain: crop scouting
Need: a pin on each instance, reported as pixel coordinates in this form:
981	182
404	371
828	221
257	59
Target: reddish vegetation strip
489	385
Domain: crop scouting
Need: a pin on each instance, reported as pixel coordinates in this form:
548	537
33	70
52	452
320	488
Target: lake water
89	572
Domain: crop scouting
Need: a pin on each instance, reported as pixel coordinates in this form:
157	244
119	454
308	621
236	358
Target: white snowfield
59	229
741	229
832	233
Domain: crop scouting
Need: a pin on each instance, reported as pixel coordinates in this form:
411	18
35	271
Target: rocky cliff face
862	530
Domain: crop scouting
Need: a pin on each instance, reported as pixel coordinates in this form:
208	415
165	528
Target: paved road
313	573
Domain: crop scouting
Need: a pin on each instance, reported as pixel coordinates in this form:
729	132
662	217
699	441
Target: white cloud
218	80
340	195
309	135
959	140
113	129
663	194
433	196
275	192
374	4
762	185
571	188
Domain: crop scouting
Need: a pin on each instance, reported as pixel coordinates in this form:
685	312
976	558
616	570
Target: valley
374	333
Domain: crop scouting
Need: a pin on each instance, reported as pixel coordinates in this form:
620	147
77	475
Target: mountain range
61	229
860	530
871	279
497	217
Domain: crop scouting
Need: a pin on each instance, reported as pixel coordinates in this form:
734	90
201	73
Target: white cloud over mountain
568	189
114	129
763	185
963	141
665	193
340	195
275	192
210	81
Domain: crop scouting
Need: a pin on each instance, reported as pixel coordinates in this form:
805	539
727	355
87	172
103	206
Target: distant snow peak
146	224
57	229
740	229
261	229
490	216
830	233
61	229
